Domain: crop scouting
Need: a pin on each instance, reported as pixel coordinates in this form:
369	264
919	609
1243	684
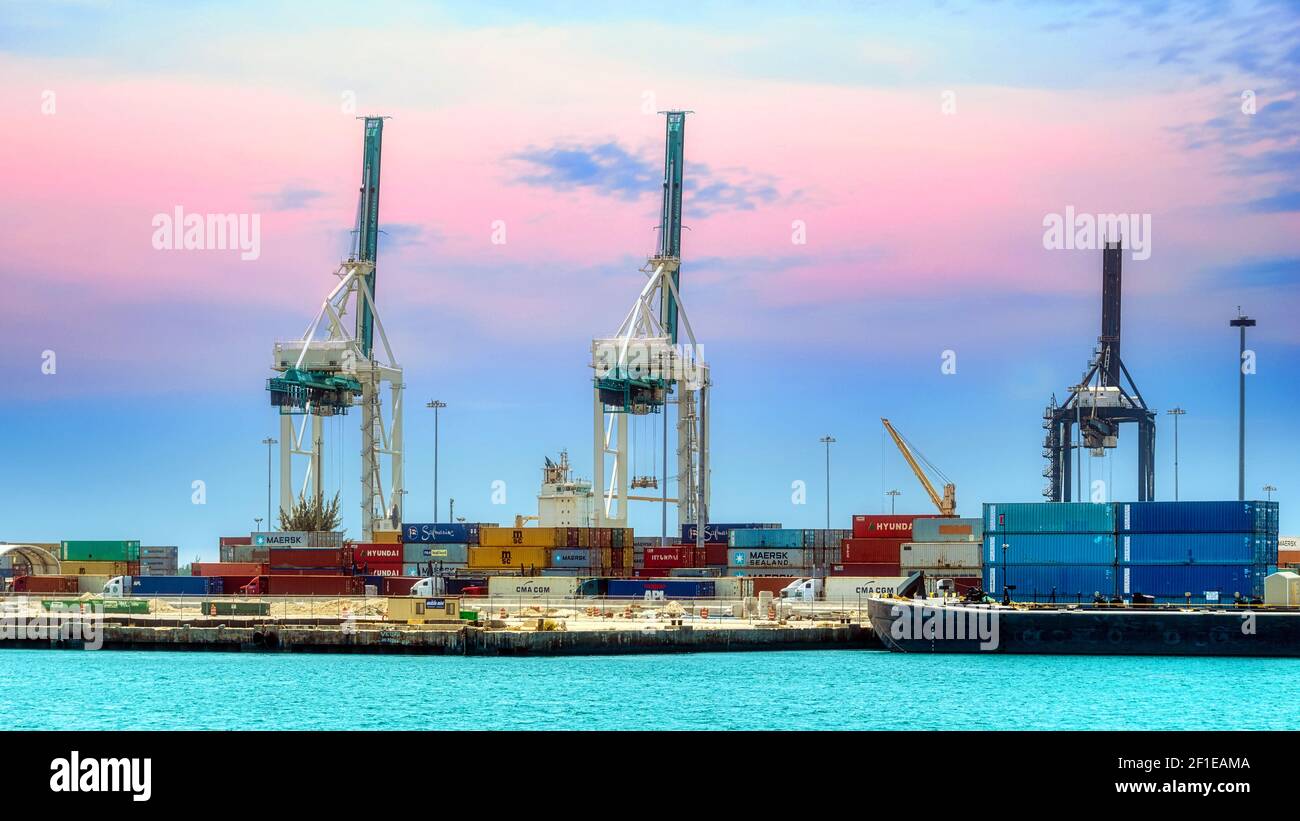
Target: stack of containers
93	563
945	548
1208	551
1288	552
438	546
311	561
242	549
377	559
767	552
875	545
1064	550
512	550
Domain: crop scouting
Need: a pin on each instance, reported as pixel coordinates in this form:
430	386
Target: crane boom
947	505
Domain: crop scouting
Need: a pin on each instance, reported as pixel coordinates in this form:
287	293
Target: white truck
802	590
430	586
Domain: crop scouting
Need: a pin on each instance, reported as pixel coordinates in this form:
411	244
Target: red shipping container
380	570
399	585
874	570
887	526
227	569
715	555
311	557
663	558
377	553
310	571
234	585
45	584
226	541
871	551
280	585
767	584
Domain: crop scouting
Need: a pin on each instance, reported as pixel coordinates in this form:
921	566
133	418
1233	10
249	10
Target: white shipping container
533	587
1288	542
727	587
791	558
852	588
965	555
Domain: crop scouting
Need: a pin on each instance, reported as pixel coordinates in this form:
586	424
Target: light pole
268	441
828	441
1269	489
892	494
1243	322
257	521
436	405
1175	412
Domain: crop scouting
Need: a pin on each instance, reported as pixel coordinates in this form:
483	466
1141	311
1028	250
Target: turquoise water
837	689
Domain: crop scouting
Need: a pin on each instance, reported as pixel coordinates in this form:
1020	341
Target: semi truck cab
803	590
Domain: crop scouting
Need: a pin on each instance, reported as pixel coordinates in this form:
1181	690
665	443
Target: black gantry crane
1105	398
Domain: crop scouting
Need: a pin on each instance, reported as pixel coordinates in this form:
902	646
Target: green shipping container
1049	517
137	607
101	551
469	615
236	608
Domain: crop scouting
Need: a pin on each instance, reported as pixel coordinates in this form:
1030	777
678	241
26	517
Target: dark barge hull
1085	631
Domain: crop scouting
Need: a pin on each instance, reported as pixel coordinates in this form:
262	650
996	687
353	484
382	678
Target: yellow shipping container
513	556
387	536
94	568
522	537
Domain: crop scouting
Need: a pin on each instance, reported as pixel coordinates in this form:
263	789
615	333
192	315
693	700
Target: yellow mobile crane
948	504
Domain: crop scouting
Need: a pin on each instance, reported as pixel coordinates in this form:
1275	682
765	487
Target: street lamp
1175	412
268	441
436	405
257	520
1269	489
828	441
892	494
1243	322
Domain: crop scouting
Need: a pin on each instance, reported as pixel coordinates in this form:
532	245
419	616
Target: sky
867	188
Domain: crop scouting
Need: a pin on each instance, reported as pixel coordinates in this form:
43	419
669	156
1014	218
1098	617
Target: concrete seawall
464	640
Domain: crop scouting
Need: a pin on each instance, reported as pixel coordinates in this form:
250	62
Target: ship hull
928	627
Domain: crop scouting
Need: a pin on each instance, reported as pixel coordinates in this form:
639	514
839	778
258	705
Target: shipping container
376	552
1049	548
718	532
793	558
1049	517
662	588
1209	548
229	541
965	555
100	551
515	557
871	551
463	585
281	538
387	536
397	585
890	526
533	587
245	554
162	586
225	569
946	529
866	570
441	552
382	569
73	568
1288	558
664	558
309	558
1035	582
757	585
1196	517
441	533
280	585
524	537
234	585
573	558
854	588
767	537
716	555
45	584
1174	581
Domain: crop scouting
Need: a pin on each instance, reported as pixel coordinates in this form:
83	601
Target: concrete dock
326	635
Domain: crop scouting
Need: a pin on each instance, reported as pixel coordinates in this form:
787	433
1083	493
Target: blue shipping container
1049	517
671	588
1205	548
440	533
1050	548
716	533
785	538
1196	517
573	558
1174	581
172	586
1035	582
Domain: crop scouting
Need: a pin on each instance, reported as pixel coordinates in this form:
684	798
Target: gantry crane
333	366
649	365
948	504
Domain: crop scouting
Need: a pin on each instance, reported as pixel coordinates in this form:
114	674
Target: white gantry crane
334	366
648	366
